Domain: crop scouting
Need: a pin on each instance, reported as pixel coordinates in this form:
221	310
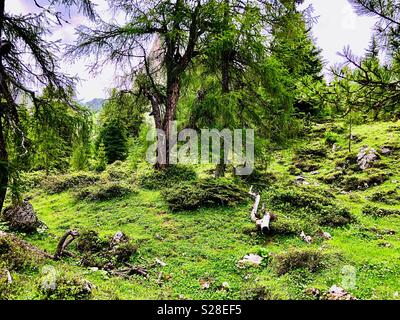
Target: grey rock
366	157
22	217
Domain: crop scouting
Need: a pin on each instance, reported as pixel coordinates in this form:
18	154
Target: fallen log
257	198
262	224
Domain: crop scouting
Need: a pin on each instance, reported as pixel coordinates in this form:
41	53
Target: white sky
337	27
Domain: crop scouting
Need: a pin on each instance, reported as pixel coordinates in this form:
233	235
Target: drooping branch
64	242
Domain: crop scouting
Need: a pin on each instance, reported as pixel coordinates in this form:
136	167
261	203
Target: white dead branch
263	223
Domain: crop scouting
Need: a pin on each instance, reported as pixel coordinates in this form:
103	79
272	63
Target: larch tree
177	26
377	81
27	60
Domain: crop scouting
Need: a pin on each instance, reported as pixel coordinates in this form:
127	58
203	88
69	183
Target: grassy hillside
201	248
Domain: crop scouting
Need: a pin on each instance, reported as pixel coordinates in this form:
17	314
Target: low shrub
98	252
284	226
331	138
60	183
14	256
379	212
259	179
361	182
116	172
6	288
89	241
66	287
33	179
173	174
103	192
204	193
391	197
309	259
305	203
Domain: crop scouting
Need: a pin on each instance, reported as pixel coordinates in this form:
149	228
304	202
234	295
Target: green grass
206	244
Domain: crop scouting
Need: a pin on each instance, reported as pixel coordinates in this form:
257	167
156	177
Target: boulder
21	217
366	157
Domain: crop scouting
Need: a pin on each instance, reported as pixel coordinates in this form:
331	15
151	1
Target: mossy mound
102	192
65	287
391	197
350	181
308	158
204	193
60	183
310	259
365	181
289	227
172	175
379	212
307	204
260	179
17	255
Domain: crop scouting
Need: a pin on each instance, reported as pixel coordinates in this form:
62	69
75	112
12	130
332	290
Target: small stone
161	263
225	285
305	238
158	237
385	150
338	293
250	260
385	244
325	235
118	237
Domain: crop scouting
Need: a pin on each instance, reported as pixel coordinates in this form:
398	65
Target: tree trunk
173	93
221	167
3	151
3	166
225	69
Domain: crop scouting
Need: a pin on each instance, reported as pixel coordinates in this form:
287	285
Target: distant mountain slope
95	104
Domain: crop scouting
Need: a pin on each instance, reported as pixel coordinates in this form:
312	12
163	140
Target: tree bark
225	70
3	150
65	240
173	93
3	166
